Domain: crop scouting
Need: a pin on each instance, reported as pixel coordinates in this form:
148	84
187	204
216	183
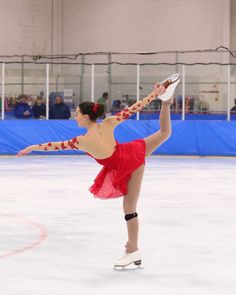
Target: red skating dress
112	180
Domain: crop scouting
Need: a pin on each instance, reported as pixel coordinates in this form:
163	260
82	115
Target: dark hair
105	94
93	110
22	96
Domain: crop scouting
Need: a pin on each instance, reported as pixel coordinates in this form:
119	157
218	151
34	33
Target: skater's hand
158	89
25	151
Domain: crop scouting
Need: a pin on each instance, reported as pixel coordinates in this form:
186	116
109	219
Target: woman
123	164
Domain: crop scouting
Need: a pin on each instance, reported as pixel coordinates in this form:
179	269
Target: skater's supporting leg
130	205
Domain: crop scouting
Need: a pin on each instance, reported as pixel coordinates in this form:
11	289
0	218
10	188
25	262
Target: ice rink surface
56	239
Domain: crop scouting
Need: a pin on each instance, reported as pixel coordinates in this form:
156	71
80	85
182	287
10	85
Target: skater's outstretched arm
72	144
138	106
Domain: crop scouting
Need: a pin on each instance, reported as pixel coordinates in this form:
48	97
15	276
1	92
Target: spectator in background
12	102
59	110
116	105
39	108
233	109
103	100
22	109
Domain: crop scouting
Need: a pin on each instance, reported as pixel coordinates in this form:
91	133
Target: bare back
99	141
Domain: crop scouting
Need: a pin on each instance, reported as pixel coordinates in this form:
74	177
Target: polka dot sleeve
72	144
128	112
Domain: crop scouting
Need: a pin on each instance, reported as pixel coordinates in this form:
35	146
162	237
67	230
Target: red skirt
112	180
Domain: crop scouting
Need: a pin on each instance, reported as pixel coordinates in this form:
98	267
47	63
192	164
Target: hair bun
96	108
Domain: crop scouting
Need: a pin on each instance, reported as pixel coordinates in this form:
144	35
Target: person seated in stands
191	104
39	108
59	110
116	105
22	109
233	109
155	105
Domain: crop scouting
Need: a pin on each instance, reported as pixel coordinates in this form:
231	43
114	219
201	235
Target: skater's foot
129	258
170	84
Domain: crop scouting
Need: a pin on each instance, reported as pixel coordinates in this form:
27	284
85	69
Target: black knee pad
130	216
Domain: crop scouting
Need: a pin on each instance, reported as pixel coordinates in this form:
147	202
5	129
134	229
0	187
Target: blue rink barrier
200	138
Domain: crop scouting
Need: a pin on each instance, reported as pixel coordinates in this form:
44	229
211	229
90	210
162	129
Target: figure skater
123	164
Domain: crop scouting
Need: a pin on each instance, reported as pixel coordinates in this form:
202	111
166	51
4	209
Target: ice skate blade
128	268
124	267
170	84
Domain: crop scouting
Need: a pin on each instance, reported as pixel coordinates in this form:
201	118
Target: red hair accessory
95	107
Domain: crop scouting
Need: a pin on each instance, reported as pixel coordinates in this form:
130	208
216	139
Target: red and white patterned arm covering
72	144
128	112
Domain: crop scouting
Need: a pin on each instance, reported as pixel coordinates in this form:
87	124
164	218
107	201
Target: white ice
187	217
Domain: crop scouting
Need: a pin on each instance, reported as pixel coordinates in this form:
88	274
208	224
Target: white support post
138	87
183	93
3	90
228	94
92	83
47	91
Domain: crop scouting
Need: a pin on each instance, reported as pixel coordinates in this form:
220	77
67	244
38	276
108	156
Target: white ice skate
129	258
170	84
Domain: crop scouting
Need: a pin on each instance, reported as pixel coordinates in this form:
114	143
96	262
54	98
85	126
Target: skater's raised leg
156	139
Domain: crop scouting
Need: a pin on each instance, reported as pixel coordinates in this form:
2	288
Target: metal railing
105	71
